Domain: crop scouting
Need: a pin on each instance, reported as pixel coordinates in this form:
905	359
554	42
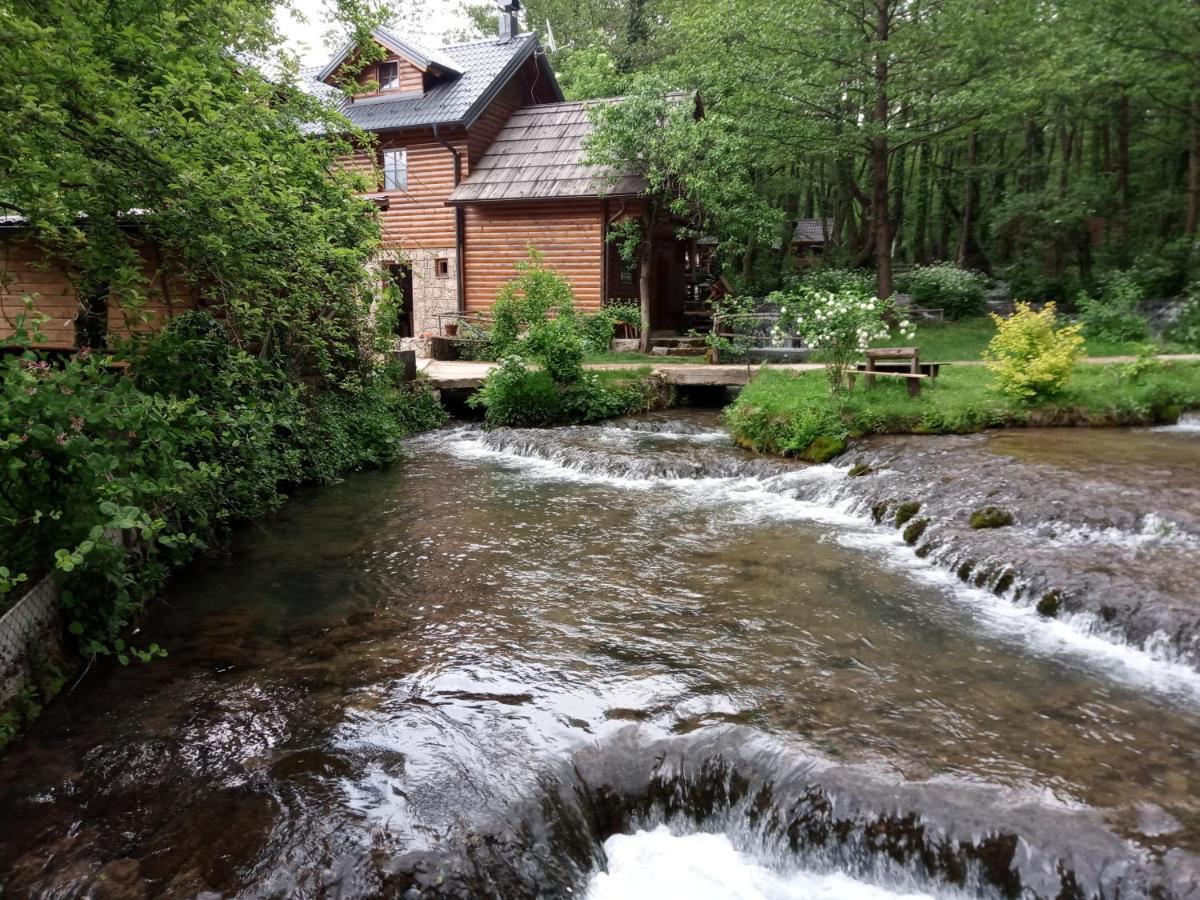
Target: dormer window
389	76
395	170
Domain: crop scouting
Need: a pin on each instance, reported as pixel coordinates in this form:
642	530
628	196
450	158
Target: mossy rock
1168	414
983	576
964	570
823	449
915	529
1004	582
925	549
1049	604
906	511
878	511
858	470
991	517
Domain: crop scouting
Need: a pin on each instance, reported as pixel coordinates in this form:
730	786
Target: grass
966	338
794	414
641	358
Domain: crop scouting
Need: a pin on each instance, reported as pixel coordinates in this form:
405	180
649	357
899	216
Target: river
626	661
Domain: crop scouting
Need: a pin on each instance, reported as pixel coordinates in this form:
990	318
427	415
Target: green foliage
154	134
525	301
839	327
959	292
1186	329
559	391
780	412
1111	314
1030	356
588	73
626	313
858	282
596	330
113	481
516	396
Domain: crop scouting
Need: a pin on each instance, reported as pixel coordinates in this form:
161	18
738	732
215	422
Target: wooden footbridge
462	376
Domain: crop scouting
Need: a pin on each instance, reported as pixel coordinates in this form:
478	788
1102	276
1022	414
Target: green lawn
966	338
641	359
794	414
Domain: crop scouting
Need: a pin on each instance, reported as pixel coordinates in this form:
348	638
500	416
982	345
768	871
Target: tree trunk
645	261
921	225
880	212
1193	213
966	238
1123	178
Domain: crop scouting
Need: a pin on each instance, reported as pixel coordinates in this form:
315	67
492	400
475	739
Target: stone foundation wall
29	631
432	293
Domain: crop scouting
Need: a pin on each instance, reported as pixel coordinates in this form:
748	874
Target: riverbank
794	414
462	674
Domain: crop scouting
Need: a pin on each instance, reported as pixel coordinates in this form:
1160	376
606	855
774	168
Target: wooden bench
912	379
932	369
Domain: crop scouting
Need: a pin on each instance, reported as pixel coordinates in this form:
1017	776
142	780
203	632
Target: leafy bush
1111	314
113	480
516	396
560	391
627	313
1030	356
596	331
1165	270
527	300
857	282
959	292
1186	329
1027	280
837	326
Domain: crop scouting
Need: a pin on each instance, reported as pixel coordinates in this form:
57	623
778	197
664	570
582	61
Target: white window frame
395	170
393	83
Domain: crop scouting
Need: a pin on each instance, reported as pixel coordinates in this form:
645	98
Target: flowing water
619	661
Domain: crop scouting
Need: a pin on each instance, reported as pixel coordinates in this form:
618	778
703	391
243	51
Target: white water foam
1189	423
1153	530
748	499
658	865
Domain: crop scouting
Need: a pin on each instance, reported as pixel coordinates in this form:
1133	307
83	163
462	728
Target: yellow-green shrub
1029	355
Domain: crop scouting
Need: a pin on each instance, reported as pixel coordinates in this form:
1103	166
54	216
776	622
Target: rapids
616	660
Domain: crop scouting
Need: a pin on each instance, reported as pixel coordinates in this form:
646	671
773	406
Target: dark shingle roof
538	156
485	67
812	231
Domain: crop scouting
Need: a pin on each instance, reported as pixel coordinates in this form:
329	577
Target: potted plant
451	328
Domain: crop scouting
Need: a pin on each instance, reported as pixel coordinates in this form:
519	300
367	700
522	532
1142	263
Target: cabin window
395	170
389	76
441	267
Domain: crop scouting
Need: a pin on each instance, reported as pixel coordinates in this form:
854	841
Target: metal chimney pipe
509	26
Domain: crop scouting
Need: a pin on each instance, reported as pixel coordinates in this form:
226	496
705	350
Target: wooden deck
450	376
460	376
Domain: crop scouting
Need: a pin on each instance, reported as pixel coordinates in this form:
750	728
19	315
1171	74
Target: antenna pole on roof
550	42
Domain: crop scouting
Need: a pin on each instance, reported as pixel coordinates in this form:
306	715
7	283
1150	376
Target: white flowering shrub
837	326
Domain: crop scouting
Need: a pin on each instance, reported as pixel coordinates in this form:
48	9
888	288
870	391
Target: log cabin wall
498	236
26	271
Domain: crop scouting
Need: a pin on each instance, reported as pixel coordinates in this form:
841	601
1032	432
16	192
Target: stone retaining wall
31	630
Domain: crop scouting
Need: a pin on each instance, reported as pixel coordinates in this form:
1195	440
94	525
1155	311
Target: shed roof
475	73
812	231
539	155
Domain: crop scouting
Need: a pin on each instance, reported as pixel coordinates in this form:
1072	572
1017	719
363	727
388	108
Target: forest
1047	144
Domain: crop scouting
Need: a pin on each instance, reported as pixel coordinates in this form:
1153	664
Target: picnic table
896	362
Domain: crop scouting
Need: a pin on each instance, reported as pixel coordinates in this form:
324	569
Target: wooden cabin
477	159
